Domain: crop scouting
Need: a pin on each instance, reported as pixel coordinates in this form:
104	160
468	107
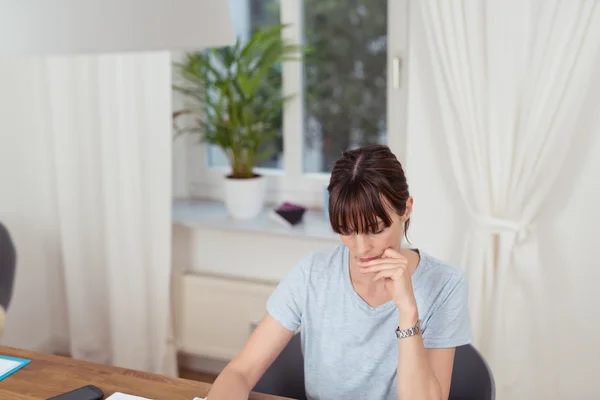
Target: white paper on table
8	365
123	396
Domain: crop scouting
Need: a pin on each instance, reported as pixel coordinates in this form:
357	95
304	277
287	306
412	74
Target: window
348	92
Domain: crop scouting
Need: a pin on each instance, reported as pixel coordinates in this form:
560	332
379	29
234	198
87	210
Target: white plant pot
244	198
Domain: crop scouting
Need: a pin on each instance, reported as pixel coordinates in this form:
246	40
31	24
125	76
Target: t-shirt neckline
360	302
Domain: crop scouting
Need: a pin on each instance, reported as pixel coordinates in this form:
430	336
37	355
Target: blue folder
21	362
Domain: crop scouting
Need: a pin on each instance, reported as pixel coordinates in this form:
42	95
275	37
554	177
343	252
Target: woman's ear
409	209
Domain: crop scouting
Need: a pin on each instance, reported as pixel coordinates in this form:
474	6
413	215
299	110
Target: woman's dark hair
365	183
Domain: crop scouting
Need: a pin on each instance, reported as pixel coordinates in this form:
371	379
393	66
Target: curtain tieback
494	225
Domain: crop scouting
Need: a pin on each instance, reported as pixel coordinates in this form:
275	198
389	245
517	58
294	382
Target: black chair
8	260
285	377
472	378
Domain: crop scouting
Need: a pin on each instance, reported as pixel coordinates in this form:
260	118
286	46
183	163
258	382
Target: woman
378	321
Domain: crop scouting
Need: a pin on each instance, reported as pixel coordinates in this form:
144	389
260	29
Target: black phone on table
89	392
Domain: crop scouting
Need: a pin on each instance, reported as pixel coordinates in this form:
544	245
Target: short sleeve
286	303
450	324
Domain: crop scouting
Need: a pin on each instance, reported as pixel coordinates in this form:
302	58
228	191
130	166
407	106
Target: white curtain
109	136
510	78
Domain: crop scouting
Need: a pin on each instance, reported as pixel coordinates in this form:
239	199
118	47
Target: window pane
344	77
248	16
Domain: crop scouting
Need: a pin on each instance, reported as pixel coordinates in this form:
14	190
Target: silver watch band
405	333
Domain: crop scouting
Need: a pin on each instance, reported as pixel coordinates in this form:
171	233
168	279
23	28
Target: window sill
206	214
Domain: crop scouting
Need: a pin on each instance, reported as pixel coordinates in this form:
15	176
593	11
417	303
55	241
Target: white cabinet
225	270
215	314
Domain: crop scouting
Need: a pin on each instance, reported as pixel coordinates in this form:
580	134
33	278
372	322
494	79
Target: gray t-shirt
350	348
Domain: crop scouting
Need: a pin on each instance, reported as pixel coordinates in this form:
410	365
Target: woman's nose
362	245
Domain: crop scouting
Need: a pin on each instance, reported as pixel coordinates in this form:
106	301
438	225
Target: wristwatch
405	333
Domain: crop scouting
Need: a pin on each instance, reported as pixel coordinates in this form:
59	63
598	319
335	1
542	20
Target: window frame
291	183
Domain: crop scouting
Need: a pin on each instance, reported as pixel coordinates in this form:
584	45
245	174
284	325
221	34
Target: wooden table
49	375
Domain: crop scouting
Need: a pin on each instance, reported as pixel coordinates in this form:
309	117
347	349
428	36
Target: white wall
569	229
27	208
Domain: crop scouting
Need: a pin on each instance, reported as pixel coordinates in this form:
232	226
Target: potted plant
235	102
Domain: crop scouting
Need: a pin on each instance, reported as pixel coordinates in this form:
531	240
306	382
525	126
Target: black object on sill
288	214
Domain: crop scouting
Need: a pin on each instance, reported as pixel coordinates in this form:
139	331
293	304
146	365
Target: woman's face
364	247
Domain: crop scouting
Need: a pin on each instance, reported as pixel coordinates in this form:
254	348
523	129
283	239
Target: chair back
285	377
8	260
472	378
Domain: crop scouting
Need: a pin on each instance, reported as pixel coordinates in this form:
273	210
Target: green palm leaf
236	95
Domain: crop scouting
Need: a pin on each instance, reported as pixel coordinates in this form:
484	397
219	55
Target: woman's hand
392	268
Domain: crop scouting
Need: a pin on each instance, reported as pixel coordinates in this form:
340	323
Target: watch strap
412	331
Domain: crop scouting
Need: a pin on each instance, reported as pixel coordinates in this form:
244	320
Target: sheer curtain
109	137
510	78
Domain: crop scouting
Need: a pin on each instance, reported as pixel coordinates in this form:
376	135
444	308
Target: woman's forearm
229	385
414	379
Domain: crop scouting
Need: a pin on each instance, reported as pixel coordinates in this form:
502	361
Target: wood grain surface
50	375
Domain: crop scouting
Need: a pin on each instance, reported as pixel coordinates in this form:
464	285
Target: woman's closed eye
378	230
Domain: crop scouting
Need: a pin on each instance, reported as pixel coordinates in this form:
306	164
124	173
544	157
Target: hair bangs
358	208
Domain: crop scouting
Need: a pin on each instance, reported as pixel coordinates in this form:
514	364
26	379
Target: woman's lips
367	259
